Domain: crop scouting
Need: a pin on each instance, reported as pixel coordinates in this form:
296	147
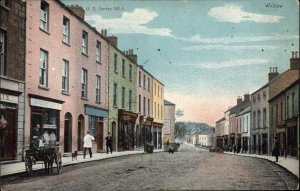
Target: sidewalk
19	167
290	164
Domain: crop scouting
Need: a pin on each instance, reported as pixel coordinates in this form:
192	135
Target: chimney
104	32
294	61
273	73
131	56
112	39
239	100
246	97
78	10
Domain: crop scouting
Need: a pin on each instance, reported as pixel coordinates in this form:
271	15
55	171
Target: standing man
87	144
108	140
275	151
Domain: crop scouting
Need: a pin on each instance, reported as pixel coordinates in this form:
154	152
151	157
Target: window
258	119
140	103
65	76
161	112
281	112
66	30
98	51
144	106
253	99
115	95
155	109
272	116
276	117
123	67
144	84
140	80
264	117
43	68
287	106
84	83
254	120
130	72
115	62
84	42
264	95
149	84
130	100
148	107
154	88
293	103
258	98
44	15
161	93
2	52
123	97
247	125
98	88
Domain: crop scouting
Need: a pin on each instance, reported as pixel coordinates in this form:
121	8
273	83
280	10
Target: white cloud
130	22
230	64
229	47
238	39
235	14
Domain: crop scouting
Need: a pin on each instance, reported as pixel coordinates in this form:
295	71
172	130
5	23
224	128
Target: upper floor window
144	106
149	84
66	30
140	97
130	100
43	80
115	62
276	114
258	98
44	15
161	92
2	52
123	67
264	117
154	88
85	42
84	83
123	97
98	88
264	95
161	112
130	72
148	107
65	76
144	81
254	120
115	94
140	78
287	106
253	99
293	103
98	51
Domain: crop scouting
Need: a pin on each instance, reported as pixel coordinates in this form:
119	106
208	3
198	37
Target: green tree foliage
180	129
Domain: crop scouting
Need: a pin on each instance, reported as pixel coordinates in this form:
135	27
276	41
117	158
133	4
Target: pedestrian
234	148
108	140
275	150
168	143
87	144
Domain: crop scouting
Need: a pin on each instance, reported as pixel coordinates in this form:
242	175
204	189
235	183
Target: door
68	133
80	133
99	136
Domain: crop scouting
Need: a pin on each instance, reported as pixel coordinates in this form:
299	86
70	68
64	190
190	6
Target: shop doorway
80	133
99	135
68	133
114	135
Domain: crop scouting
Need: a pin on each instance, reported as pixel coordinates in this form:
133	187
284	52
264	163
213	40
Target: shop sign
8	98
167	127
45	104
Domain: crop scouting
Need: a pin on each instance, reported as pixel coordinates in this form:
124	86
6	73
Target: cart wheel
28	165
58	163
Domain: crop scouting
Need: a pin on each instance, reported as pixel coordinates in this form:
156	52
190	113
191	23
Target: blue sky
205	52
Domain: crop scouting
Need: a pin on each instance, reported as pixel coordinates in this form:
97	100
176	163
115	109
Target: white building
169	122
245	129
205	138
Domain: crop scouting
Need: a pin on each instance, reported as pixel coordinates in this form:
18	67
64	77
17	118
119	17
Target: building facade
219	132
245	129
66	76
12	78
158	112
144	97
168	130
122	96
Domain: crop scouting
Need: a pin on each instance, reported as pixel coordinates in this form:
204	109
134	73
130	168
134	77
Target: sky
205	52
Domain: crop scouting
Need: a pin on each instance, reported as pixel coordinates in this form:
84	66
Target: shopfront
157	135
46	114
126	131
96	121
291	133
144	132
8	127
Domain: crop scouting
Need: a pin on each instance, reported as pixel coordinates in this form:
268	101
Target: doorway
80	132
68	133
99	135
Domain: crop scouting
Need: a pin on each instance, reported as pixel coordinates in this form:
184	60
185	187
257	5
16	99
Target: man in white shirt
87	144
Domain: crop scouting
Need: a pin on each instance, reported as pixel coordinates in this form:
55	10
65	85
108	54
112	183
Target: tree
180	129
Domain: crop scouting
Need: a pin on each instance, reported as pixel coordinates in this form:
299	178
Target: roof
223	118
238	108
166	102
206	131
285	90
246	110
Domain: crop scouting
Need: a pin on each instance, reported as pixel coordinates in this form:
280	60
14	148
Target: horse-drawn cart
48	154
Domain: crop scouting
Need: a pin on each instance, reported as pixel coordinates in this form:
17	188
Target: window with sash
43	78
85	42
115	95
44	12
130	100
65	76
98	51
2	52
123	97
130	72
84	83
98	87
66	30
123	67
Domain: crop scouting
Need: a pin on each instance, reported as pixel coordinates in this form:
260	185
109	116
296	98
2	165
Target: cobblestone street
191	169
